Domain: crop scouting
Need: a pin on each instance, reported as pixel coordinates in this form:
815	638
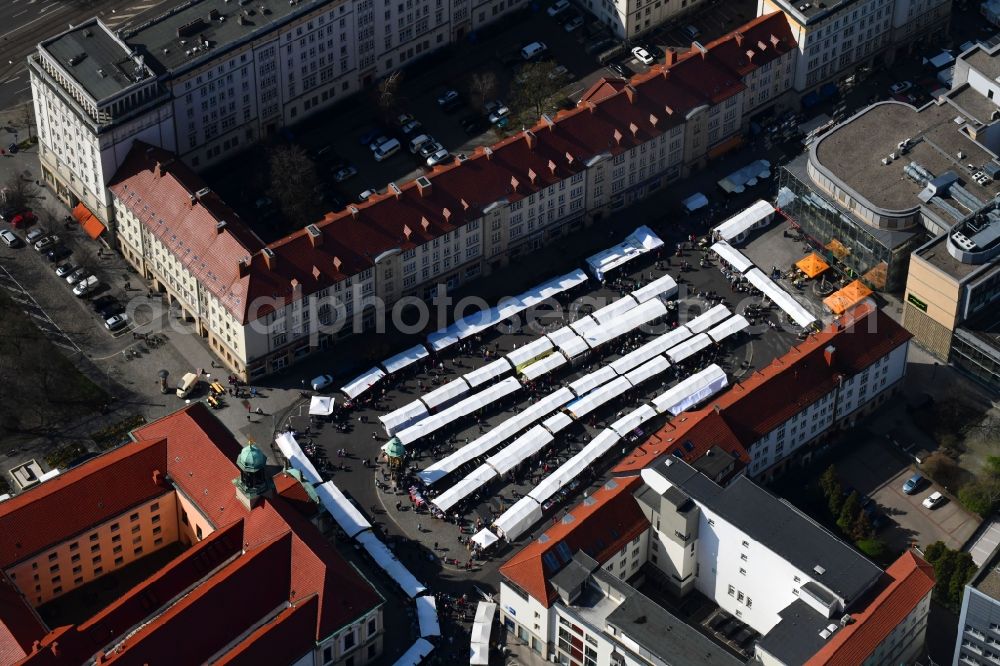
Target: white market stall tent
609	312
573	467
691	391
656	346
626	322
405	416
484	538
557	422
467	406
516	520
588	382
405	359
475	480
445	393
661	287
637	243
344	513
427	616
599	396
729	327
761	282
385	559
522	448
651	368
732	256
362	383
416	654
695	202
780	297
321	405
633	420
290	448
689	348
529	352
491	370
482	628
756	216
708	319
543	367
584	324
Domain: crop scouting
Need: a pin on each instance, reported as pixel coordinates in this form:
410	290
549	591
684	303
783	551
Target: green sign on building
916	302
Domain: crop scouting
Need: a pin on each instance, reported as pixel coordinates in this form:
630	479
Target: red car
22	220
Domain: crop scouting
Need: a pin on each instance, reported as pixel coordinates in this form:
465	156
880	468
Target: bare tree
535	92
388	97
293	182
483	86
19	193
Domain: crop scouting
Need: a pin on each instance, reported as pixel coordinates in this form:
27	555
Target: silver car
438	157
76	275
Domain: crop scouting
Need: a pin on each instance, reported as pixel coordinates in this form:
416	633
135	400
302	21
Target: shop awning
91	225
812	265
839	301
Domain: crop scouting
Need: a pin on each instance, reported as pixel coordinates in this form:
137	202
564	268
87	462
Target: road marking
21	12
59	8
12	79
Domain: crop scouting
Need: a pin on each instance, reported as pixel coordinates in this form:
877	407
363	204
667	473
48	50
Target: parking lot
877	469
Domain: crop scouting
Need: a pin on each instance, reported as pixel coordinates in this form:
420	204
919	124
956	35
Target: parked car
378	142
58	253
449	100
411	128
573	24
35	235
620	70
429	149
643	56
386	150
417	141
22	220
599	46
9	238
76	276
62	270
900	87
933	500
370	135
116	322
321	382
534	50
557	8
110	307
101	302
500	117
472	124
85	286
404	118
13	148
438	157
692	32
558	72
326	155
46	242
367	193
913	484
344	173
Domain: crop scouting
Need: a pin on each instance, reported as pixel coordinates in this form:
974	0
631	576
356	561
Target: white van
534	50
188	382
387	149
419	141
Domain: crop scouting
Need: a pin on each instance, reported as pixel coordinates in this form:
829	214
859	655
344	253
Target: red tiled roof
604	522
174	204
105	487
20	627
758	404
614	118
912	580
294	493
271	643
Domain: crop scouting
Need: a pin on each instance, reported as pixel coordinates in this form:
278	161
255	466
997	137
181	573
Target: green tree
535	92
934	551
862	528
980	496
964	570
832	491
828	480
944	568
849	512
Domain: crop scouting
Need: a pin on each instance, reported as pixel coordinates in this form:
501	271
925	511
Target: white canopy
626	322
732	256
689	348
516	520
491	370
346	515
445	393
416	654
694	202
657	345
552	287
557	422
362	383
464	408
482	627
475	480
573	347
633	420
733	325
737	181
321	405
761	282
427	616
639	242
609	312
647	370
520	449
487	442
405	359
597	397
691	391
546	365
584	324
296	458
592	380
385	559
570	469
400	418
708	319
529	352
758	214
781	298
664	286
484	538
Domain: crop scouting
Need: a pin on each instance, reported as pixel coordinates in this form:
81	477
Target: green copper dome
394	448
251	459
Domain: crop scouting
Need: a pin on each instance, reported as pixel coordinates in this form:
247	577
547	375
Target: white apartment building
835	38
453	225
798	592
630	18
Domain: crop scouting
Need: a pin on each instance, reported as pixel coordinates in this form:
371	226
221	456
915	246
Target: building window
743	572
114	527
732	591
134	517
155	506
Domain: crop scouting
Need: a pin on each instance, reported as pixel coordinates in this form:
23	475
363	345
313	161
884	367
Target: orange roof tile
912	580
271	643
600	525
20	626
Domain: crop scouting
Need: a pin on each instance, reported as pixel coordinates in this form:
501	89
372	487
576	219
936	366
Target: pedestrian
399	505
435	545
420	528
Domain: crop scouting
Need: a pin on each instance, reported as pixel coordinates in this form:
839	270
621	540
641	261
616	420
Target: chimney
670	59
202	193
591	106
446	214
617	136
395	190
552	167
631	93
407	231
762	46
424	186
36	646
337	263
569	158
270	258
750	55
158	171
194	200
634	129
775	41
830	355
547	119
718	410
529	137
243	268
55	648
465	204
669	111
738	37
220	226
425	223
532	176
315	235
514	183
488	152
354	211
653	120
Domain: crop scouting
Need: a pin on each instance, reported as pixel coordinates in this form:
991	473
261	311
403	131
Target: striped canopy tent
812	265
88	221
839	301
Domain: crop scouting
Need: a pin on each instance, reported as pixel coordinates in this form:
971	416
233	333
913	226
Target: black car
102	302
111	308
620	70
12	148
473	124
58	253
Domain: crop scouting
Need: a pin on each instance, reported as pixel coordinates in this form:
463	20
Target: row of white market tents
639	242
